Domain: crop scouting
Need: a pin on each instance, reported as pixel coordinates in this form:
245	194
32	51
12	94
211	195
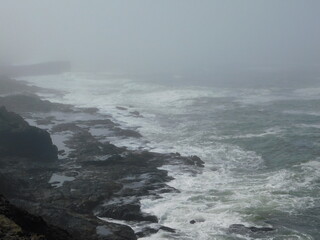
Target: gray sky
148	36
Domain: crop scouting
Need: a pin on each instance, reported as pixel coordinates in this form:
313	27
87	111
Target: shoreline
103	180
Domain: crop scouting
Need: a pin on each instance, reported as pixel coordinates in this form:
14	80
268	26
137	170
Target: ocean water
261	149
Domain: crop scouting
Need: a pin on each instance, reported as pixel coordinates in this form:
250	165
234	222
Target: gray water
261	148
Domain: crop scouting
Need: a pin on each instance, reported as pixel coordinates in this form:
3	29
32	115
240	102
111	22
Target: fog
180	37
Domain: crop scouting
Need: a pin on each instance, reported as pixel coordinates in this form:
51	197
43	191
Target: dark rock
31	103
121	108
17	138
147	231
197	161
25	103
261	229
63	127
46	121
16	223
242	229
136	114
192	221
91	110
10	86
167	229
9	185
128	212
102	174
62	152
86	227
127	133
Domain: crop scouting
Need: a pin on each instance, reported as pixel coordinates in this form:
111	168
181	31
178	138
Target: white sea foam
233	183
57	180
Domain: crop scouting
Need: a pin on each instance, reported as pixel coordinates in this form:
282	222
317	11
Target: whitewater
261	149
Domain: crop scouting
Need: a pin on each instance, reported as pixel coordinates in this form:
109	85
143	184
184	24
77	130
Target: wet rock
196	161
121	108
17	138
46	120
11	86
167	229
91	110
136	114
10	185
100	122
63	127
242	229
62	152
147	231
31	103
128	212
127	133
16	223
102	173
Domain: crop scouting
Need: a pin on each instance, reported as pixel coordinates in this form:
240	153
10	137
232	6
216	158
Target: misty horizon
164	37
159	119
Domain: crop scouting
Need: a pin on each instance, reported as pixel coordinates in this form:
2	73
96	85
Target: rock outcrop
10	86
22	103
18	224
18	138
94	182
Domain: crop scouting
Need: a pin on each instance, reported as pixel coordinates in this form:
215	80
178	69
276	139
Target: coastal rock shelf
92	179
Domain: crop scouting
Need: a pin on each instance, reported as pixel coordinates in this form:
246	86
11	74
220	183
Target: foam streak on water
260	146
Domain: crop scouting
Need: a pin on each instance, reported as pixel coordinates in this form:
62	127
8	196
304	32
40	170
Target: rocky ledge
18	138
16	223
93	183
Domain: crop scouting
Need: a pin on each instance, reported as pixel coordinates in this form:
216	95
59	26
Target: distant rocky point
46	68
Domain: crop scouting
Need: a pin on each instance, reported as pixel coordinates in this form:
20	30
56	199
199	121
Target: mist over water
260	148
215	41
236	83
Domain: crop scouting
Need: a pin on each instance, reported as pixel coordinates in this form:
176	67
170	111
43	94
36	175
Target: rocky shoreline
87	178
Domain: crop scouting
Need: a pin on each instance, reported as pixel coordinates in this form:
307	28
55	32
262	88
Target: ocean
261	149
